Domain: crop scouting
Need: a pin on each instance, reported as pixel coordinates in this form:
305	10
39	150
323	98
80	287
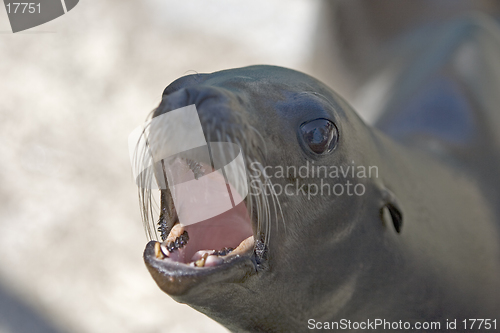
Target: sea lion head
314	208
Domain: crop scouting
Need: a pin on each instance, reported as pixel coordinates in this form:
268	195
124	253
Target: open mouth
210	242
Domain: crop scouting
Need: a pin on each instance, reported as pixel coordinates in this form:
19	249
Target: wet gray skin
421	243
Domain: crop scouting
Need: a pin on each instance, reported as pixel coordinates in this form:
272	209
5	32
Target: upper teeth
179	242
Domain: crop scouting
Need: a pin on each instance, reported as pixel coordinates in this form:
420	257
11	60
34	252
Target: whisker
260	136
263	206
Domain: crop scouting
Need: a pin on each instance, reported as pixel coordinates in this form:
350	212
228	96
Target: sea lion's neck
443	208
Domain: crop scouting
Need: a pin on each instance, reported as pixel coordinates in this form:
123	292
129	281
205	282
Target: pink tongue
228	229
206	210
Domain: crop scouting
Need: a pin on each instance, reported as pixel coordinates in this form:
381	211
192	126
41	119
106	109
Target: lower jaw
186	283
202	258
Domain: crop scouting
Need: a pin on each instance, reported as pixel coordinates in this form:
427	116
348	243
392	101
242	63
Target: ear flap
390	204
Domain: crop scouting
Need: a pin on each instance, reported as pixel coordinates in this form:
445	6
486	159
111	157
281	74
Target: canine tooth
243	247
201	262
176	231
158	252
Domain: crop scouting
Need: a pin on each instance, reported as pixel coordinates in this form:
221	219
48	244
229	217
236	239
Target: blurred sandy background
71	90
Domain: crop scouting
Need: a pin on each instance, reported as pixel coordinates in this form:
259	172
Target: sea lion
420	243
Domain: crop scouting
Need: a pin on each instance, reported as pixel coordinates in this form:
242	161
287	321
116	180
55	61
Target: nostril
173	101
197	95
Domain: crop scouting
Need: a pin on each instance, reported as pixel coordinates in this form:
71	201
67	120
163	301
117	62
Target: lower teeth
201	262
223	252
201	259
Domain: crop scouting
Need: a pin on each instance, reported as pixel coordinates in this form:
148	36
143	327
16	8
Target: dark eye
320	135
